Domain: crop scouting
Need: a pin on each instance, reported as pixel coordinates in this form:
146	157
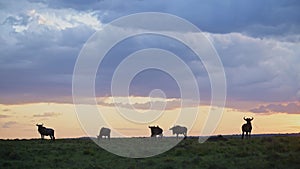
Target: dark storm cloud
257	41
259	69
145	81
257	18
37	63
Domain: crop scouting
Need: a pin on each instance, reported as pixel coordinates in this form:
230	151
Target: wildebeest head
154	127
248	120
155	130
174	128
40	125
179	130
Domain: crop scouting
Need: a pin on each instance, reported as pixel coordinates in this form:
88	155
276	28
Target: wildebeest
246	128
156	130
179	130
45	131
104	132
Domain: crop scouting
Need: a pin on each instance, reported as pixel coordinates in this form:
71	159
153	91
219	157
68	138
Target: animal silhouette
104	132
45	131
247	128
179	130
156	130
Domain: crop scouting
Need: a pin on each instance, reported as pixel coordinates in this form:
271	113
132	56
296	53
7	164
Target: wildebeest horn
244	118
252	118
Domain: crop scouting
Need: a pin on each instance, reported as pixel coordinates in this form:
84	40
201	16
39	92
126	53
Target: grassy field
260	152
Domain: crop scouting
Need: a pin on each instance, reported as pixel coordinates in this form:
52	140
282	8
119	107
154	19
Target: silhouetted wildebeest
156	131
104	132
45	131
246	128
179	130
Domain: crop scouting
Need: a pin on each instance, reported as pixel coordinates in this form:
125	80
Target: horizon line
191	136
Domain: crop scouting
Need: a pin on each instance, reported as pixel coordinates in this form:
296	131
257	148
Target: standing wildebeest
45	131
179	130
156	131
103	133
247	127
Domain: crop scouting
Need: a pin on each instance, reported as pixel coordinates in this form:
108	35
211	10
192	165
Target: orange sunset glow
64	119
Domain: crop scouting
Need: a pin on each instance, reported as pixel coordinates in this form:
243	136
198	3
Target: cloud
256	18
291	108
9	124
146	103
38	20
258	43
47	114
39	47
259	69
3	116
213	16
253	67
62	19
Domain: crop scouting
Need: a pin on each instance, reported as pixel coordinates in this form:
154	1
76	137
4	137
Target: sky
258	43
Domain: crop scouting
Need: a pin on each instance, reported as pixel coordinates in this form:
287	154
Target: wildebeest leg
243	135
42	137
249	134
52	137
177	135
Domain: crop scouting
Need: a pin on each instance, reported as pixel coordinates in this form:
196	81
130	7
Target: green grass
261	152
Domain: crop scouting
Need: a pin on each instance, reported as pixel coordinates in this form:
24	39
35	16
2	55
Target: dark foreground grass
263	152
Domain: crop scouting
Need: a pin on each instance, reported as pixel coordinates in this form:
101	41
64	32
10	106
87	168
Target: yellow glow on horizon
24	117
63	118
